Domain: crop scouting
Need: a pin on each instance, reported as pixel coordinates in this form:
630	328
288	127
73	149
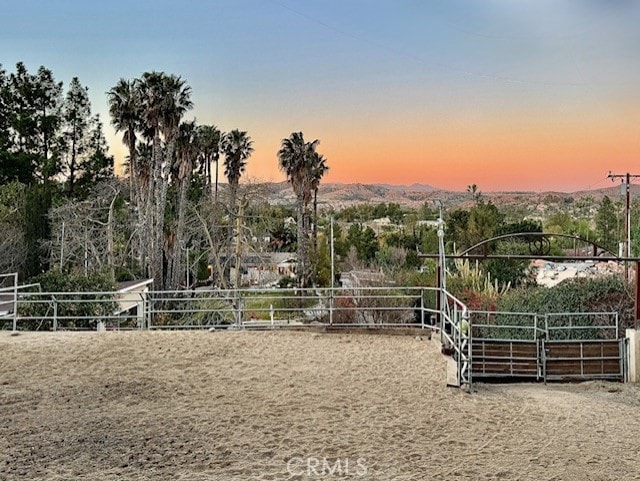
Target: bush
344	311
604	294
286	282
81	315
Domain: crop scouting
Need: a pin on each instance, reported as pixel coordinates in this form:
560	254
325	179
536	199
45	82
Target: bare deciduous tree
85	233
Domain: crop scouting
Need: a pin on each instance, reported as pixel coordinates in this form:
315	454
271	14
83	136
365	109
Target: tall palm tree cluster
168	154
304	167
165	153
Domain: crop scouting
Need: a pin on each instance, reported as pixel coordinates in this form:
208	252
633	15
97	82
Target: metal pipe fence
455	336
582	325
508	326
259	309
14	290
387	307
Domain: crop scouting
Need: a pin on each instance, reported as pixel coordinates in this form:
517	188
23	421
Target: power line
597	183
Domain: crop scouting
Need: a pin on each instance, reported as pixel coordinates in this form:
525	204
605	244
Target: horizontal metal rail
353	307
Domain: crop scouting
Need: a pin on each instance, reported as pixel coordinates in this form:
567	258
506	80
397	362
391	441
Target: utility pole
332	278
626	179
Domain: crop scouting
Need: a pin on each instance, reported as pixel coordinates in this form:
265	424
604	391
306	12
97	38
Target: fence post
623	343
422	308
331	306
238	308
543	354
469	351
55	313
439	304
148	312
546	326
15	302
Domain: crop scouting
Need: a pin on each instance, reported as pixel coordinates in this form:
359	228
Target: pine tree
606	222
30	122
97	166
76	134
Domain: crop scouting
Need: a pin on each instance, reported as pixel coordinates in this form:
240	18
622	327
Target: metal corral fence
582	325
506	325
584	345
506	345
9	298
455	338
483	344
555	346
553	326
387	307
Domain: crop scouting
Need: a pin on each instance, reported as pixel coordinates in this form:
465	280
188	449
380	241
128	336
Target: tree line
65	209
52	147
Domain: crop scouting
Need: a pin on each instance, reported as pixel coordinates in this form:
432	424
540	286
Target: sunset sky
509	95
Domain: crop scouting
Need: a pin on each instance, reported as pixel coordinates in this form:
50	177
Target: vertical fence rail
331	300
468	338
54	301
15	301
422	308
453	315
14	297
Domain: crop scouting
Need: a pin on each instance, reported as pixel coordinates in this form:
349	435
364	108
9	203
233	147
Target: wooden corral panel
499	359
595	359
561	360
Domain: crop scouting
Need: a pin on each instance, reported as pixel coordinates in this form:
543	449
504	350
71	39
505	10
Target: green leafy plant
80	311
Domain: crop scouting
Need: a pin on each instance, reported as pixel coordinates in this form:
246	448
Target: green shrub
81	315
604	294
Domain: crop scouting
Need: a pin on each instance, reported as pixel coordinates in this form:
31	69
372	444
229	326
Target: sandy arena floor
275	406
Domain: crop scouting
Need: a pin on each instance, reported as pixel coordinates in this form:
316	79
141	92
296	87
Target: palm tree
318	169
164	100
187	150
237	147
296	160
125	113
209	137
125	117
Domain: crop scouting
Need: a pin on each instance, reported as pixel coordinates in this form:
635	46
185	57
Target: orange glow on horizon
507	152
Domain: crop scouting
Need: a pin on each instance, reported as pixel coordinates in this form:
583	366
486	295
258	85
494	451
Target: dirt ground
285	405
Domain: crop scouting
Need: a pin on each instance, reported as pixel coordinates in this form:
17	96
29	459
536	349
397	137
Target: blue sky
510	95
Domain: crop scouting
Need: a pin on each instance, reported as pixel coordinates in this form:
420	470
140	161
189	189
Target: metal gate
567	346
505	345
511	359
583	346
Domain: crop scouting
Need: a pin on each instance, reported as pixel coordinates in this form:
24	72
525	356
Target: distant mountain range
338	195
412	187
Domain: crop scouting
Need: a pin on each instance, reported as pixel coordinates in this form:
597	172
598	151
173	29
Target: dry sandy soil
283	405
